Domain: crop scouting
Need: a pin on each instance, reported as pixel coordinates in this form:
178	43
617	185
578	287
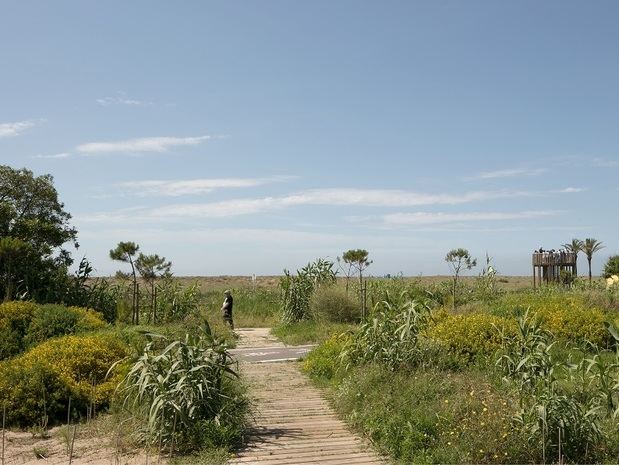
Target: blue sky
248	137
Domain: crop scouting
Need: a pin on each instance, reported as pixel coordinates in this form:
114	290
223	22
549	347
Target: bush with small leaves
325	360
471	334
40	382
50	321
15	319
332	303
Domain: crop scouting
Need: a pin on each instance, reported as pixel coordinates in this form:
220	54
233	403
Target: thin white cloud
121	99
323	197
427	218
569	190
15	128
55	156
605	163
581	161
385	198
145	144
193	186
234	235
507	173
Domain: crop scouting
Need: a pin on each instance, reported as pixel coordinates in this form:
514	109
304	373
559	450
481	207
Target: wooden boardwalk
293	423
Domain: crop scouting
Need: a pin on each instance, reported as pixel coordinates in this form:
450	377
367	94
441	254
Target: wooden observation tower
547	265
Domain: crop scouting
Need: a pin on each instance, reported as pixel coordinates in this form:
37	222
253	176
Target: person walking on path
226	309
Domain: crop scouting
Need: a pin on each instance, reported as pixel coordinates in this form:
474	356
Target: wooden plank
294	425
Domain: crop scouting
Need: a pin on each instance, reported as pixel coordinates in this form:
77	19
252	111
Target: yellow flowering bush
41	381
567	317
471	334
574	324
612	282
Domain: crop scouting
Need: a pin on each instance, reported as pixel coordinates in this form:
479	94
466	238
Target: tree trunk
153	300
576	266
589	260
137	302
454	292
134	297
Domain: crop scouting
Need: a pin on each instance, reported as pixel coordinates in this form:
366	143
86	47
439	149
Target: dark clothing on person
226	310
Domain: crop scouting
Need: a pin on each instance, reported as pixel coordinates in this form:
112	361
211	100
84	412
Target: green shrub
50	321
612	266
41	381
15	318
332	303
324	361
471	334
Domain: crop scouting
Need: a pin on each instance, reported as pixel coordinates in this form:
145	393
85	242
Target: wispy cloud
383	197
322	197
145	144
275	237
580	161
15	128
194	186
427	218
605	163
54	156
506	173
569	190
121	99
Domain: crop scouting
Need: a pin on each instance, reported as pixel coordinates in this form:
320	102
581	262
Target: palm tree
589	247
575	246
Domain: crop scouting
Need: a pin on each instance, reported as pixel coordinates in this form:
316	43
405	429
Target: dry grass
221	283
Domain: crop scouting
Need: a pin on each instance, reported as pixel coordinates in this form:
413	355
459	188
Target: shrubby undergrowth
36	386
297	289
186	393
26	324
523	377
332	303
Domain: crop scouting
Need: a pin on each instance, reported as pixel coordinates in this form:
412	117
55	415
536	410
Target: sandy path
89	447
